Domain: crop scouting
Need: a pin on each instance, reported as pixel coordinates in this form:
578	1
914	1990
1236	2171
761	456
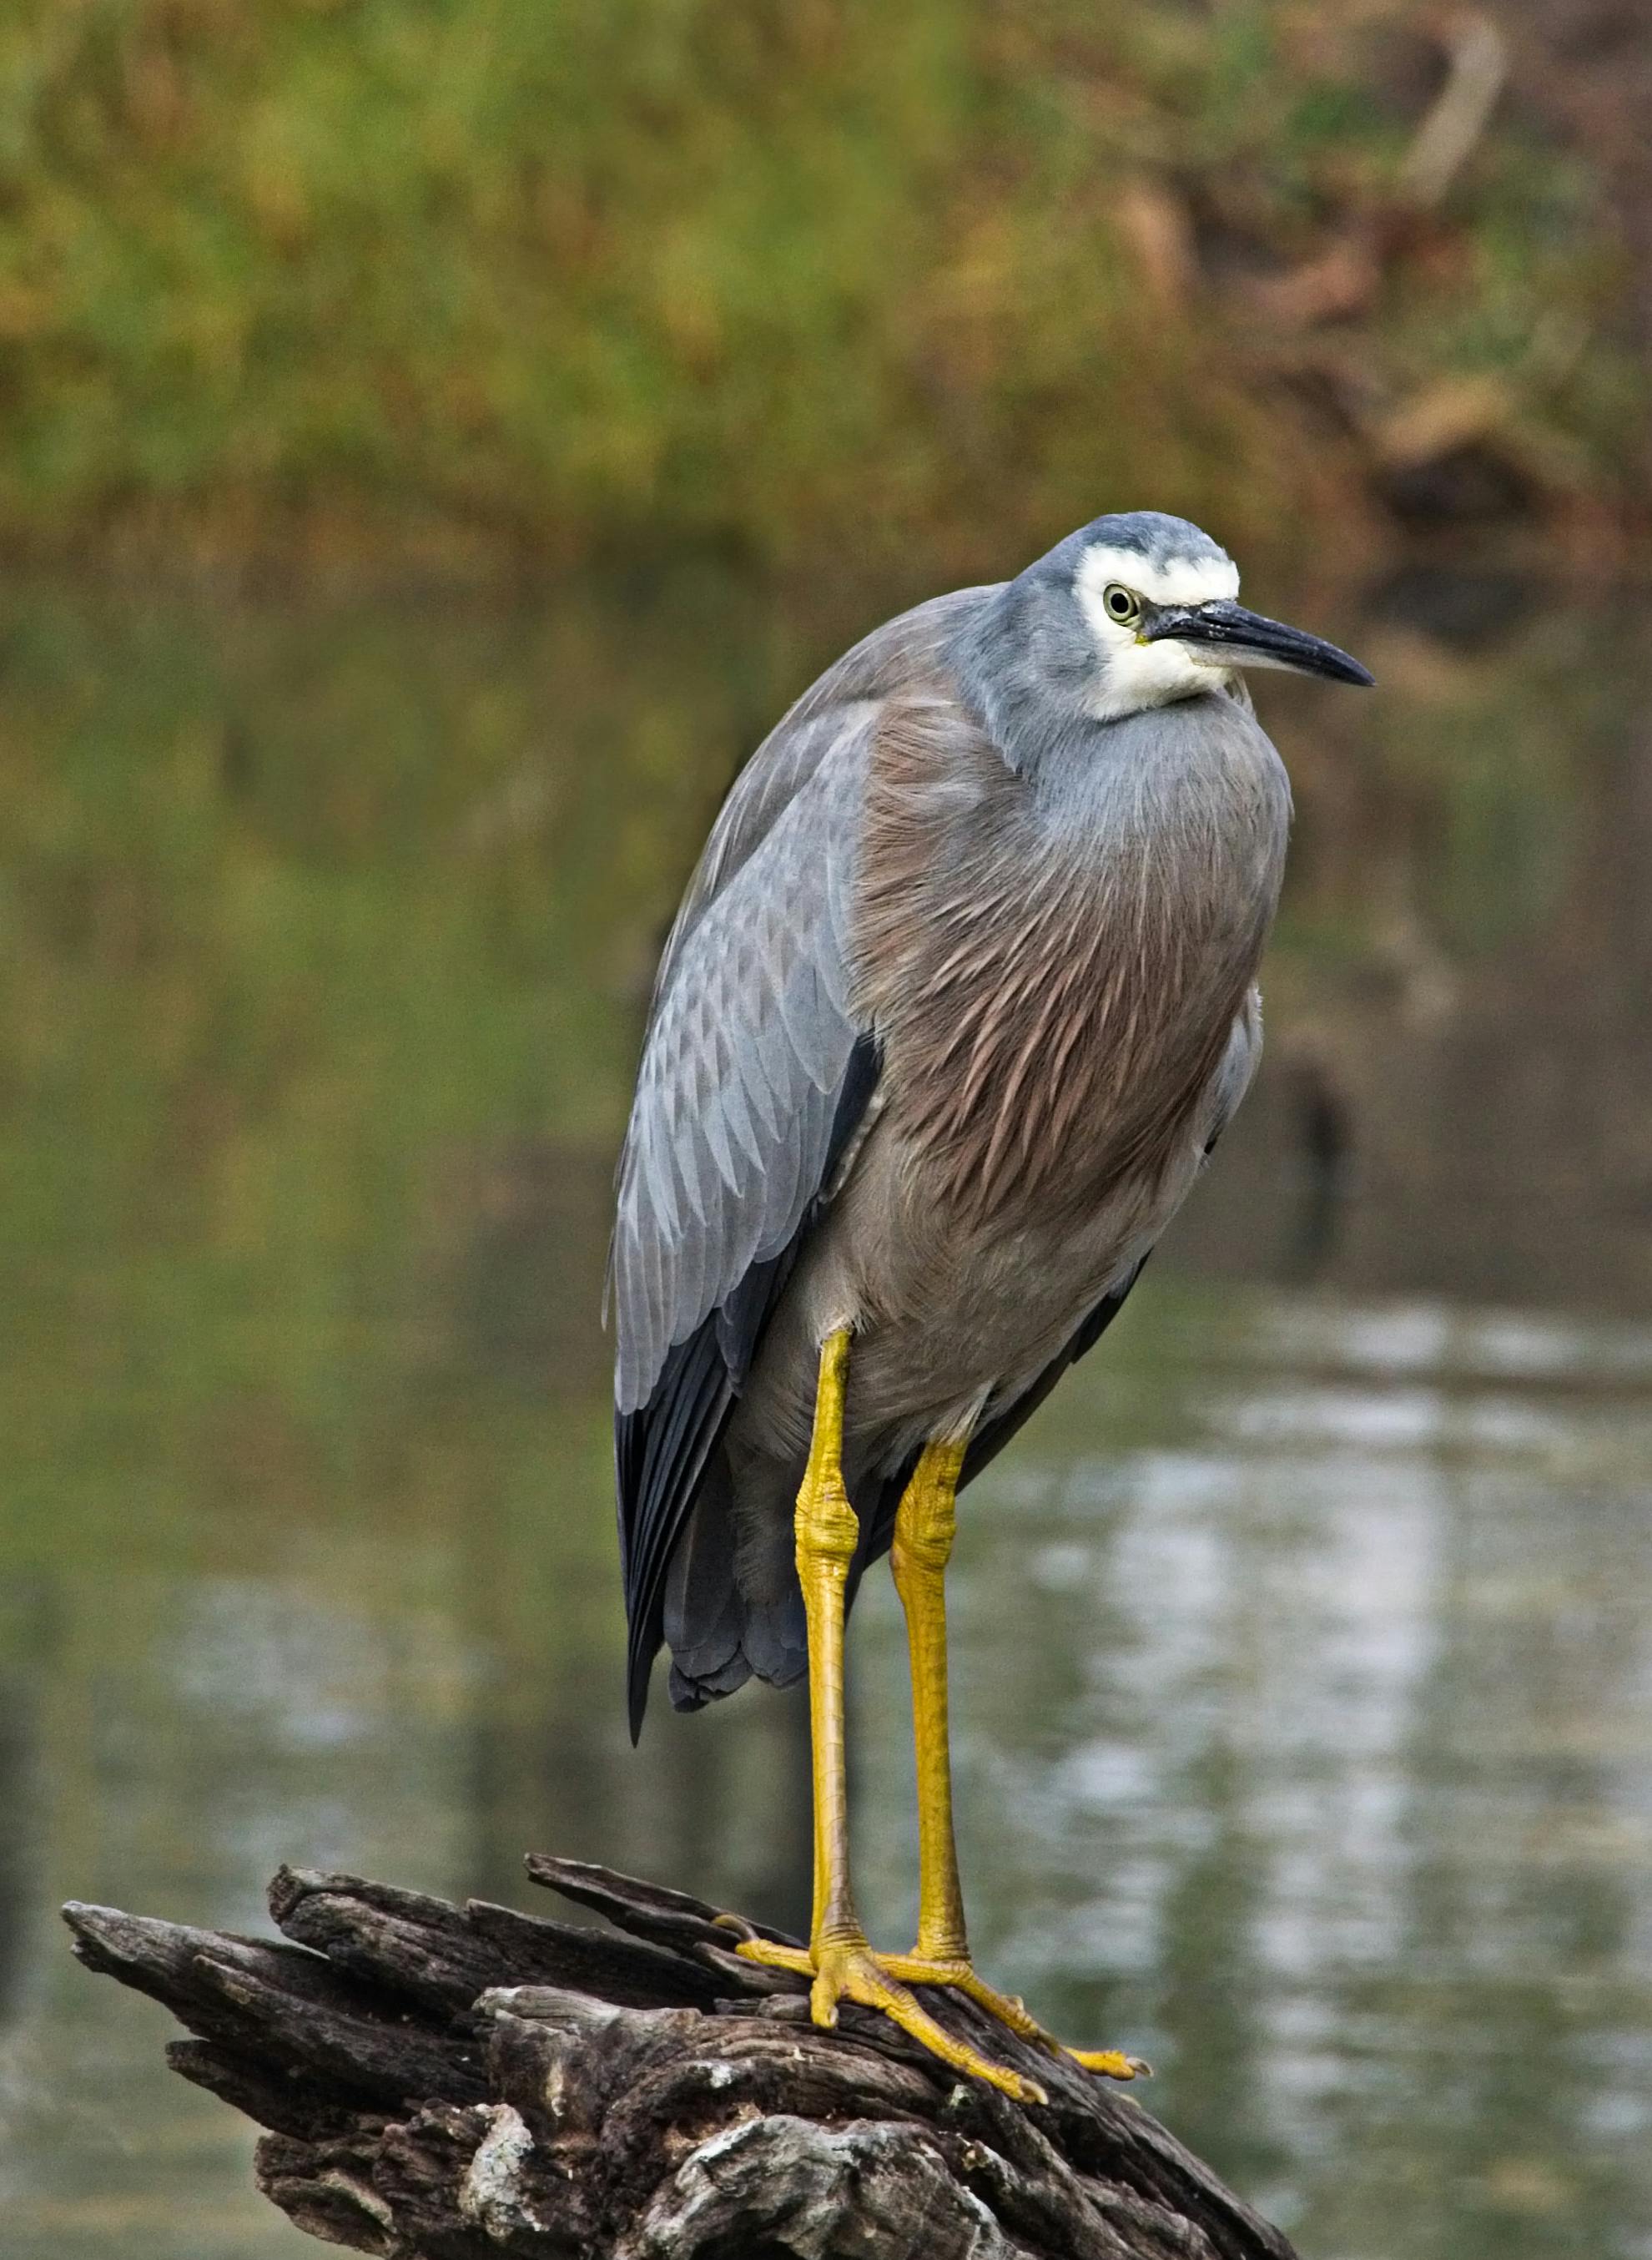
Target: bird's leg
828	1530
924	1529
839	1959
924	1525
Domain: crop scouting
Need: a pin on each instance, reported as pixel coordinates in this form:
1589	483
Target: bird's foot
1011	2010
849	1969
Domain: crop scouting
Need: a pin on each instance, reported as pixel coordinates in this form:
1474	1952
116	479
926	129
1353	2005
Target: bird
957	1003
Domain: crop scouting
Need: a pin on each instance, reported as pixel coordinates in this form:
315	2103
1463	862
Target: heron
959	1000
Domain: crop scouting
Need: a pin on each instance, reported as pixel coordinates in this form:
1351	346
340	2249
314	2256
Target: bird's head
1138	610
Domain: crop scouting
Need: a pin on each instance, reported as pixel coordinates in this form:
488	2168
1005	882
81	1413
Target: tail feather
726	1618
702	1614
688	1694
775	1640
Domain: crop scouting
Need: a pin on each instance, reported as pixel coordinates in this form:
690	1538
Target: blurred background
437	437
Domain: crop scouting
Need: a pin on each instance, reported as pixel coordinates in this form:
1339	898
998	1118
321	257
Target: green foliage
542	275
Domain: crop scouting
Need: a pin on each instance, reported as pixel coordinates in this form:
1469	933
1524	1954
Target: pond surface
1304	1642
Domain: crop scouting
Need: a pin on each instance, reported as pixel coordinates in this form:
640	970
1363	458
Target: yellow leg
839	1959
923	1530
925	1526
828	1530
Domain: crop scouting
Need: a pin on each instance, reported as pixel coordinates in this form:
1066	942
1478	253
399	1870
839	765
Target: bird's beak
1245	638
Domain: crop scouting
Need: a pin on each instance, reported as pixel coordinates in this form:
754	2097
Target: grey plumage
751	1028
959	999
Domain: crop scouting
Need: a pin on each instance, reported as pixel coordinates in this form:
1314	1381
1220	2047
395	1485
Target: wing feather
755	1072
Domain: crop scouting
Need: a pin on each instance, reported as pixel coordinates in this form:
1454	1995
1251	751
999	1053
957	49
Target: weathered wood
446	2082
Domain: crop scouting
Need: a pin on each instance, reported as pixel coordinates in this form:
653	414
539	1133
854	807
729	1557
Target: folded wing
755	1072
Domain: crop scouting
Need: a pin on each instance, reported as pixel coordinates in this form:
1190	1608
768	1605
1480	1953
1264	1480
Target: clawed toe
851	1970
1112	2064
1011	2010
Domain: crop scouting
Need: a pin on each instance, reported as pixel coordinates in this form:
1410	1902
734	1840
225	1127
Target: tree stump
446	2083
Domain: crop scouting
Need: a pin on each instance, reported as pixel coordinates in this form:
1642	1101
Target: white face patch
1140	674
1178	580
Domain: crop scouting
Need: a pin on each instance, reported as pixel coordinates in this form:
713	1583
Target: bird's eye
1123	604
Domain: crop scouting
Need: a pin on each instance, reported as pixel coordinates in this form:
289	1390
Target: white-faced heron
957	1003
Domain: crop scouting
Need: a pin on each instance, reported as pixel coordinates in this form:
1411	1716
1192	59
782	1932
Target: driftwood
445	2083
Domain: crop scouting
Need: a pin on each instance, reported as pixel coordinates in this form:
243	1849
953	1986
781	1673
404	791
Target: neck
1030	678
1026	680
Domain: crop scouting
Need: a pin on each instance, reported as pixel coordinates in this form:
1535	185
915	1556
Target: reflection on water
1311	1720
1305	1676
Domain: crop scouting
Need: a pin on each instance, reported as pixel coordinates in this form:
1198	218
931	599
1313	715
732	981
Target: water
1302	1649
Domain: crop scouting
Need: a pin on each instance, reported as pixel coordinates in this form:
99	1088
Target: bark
446	2083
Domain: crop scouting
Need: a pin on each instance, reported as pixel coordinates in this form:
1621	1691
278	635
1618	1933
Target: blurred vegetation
497	281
